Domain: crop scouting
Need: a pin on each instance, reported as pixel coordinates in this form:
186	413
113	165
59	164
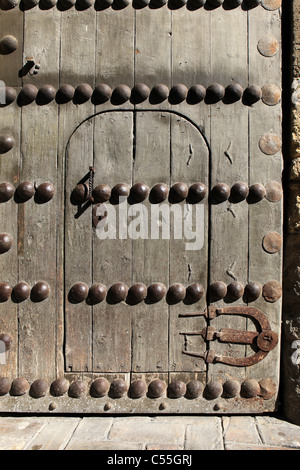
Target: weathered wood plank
11	64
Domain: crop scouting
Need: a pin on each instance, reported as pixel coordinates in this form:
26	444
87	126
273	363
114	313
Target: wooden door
141	206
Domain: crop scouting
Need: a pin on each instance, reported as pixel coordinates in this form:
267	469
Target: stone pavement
148	433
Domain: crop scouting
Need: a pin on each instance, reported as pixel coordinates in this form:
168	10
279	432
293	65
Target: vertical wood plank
11	64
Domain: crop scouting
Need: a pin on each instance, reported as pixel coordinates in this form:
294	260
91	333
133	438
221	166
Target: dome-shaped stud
97	293
196	94
7	191
80	194
25	191
47	4
156	292
84	4
46	94
256	193
157	388
233	93
176	389
268	388
272	242
66	4
30	4
239	192
120	191
272	291
194	389
234	3
231	388
194	292
19	386
214	93
5	384
252	94
120	4
250	388
118	388
178	192
7	142
235	290
21	291
5	291
8	4
6	242
159	193
217	290
197	192
10	95
270	143
178	93
252	292
139	192
215	3
176	293
159	93
28	94
139	93
39	388
138	388
140	3
78	389
59	387
253	3
120	94
220	193
103	4
83	93
213	390
40	291
45	192
274	191
8	44
78	292
65	93
101	193
101	94
7	340
99	387
137	293
117	292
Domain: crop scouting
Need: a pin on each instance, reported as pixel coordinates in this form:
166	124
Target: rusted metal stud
268	388
101	193
250	388
156	292
268	45
194	389
103	4
117	292
239	192
119	4
231	388
159	93
137	293
163	406
8	44
252	291
7	142
78	389
159	3
177	3
65	93
44	192
176	293
107	406
178	93
120	190
10	95
234	3
30	3
40	291
84	4
271	94
157	388
78	292
7	340
270	143
28	94
235	290
52	406
215	3
213	390
140	3
194	292
158	193
274	191
47	4
6	192
46	94
66	4
20	292
39	388
176	389
256	192
6	242
197	192
139	93
5	384
80	194
194	4
19	386
97	293
196	94
217	290
25	191
252	94
59	387
138	389
214	93
233	93
5	291
120	94
83	93
118	388
139	192
99	387
272	242
8	4
220	193
101	94
267	340
253	3
272	291
271	4
178	192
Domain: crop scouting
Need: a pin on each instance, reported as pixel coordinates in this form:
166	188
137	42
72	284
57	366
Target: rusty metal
159	93
97	293
118	388
6	242
119	191
250	388
137	293
25	191
252	94
256	193
176	389
233	93
215	3
213	390
39	388
99	387
239	192
271	4
30	3
117	292
10	95
197	192
7	340
220	193
178	93
268	388
272	291
176	293
78	389
253	3
7	191
44	192
65	93
101	193
5	291
91	183
139	93
59	387
19	386
28	94
46	94
120	94
157	388
194	292
194	389
234	3
156	292
5	384
272	242
235	290
196	94
268	46
139	192
270	143
101	94
178	192
8	4
274	191
8	44
138	388
217	290
214	93
7	142
83	93
158	193
80	194
231	388
20	292
271	94
40	291
253	291
78	292
47	4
